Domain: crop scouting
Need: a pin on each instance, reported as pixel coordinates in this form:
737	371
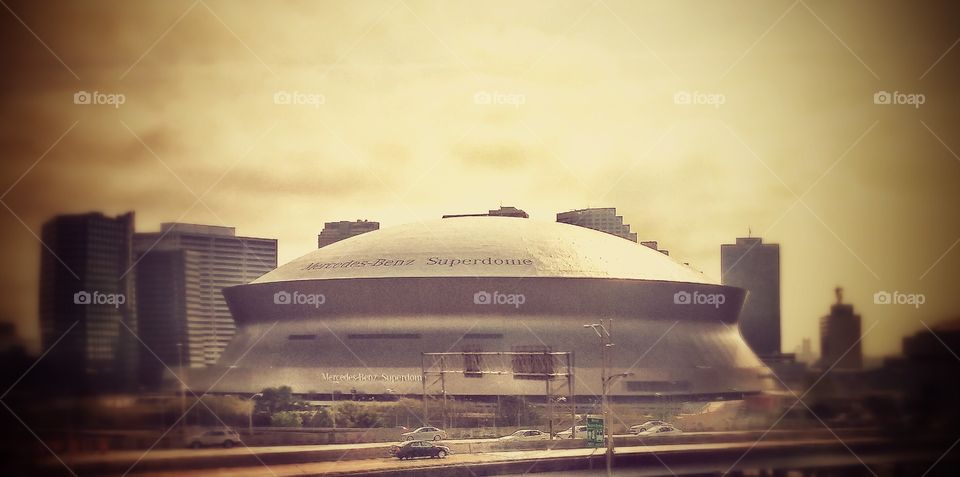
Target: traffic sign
595	431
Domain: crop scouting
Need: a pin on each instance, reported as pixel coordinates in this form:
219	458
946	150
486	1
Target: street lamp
183	387
604	333
393	394
253	406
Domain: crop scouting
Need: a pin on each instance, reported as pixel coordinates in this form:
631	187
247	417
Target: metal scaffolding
436	366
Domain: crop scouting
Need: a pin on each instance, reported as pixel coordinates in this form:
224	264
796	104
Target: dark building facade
168	292
602	219
86	287
840	337
336	231
182	271
652	244
503	211
755	266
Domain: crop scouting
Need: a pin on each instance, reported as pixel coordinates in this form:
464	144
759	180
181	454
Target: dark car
411	449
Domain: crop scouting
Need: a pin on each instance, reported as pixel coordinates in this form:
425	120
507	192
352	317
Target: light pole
253	407
392	394
183	387
603	332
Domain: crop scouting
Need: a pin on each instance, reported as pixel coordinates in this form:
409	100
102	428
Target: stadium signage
364	377
430	261
376	262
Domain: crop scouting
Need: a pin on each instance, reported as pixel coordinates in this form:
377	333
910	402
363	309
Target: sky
830	128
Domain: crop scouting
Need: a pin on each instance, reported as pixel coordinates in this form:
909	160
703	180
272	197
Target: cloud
400	137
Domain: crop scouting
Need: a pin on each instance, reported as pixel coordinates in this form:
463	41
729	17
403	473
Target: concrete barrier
161	461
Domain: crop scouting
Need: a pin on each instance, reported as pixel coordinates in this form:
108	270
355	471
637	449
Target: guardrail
166	460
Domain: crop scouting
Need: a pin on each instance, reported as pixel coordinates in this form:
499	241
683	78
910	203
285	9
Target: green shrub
321	418
286	419
355	415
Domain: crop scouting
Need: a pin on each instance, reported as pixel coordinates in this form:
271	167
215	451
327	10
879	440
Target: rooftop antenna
749	232
839	292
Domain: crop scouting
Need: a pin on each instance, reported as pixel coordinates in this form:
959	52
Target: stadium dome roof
485	247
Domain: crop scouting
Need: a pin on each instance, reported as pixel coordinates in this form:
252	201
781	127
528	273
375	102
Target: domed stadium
502	302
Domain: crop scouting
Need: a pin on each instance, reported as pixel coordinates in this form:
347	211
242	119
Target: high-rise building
652	244
840	337
805	353
169	298
336	231
182	271
755	266
86	288
508	211
602	219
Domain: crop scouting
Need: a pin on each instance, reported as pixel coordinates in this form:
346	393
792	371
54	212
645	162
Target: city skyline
144	238
778	118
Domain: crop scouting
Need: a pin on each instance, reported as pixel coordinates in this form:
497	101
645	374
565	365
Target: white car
526	435
657	431
568	434
218	437
425	434
646	426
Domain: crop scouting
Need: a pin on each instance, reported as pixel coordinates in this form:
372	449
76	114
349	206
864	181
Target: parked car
646	426
425	434
657	431
526	435
568	434
217	437
411	449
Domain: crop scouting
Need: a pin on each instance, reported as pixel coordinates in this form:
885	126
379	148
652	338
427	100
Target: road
532	457
131	456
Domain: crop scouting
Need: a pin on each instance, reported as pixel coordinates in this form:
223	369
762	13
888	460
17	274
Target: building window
384	336
483	336
301	337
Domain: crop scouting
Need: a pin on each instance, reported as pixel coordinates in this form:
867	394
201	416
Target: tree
277	399
286	419
322	418
351	414
511	408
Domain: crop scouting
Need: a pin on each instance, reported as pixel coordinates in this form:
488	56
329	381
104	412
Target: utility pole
183	387
606	342
253	407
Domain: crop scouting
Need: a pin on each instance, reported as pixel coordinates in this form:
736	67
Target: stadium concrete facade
355	317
